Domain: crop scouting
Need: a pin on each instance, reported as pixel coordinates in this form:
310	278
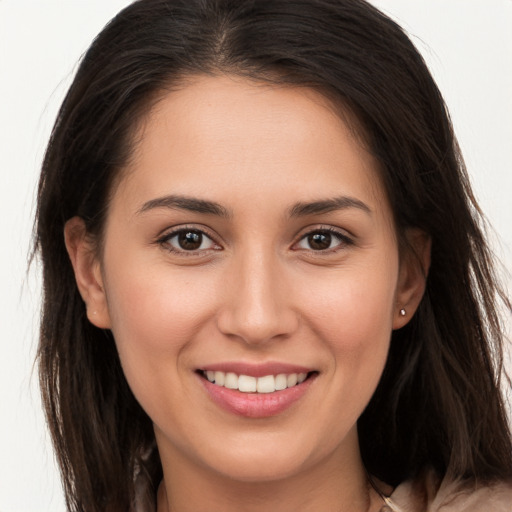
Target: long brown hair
438	403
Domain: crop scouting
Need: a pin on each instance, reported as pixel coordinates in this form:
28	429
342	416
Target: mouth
251	384
256	391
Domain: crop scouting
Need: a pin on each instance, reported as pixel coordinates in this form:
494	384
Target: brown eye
323	240
188	240
319	241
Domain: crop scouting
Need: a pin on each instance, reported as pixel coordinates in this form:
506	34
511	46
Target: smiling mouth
250	384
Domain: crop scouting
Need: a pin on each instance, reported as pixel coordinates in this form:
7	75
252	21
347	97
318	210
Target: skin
255	291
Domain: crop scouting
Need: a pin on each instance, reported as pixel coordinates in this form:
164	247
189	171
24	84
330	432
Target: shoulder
429	494
455	496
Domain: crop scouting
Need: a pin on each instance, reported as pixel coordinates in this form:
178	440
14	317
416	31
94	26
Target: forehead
234	133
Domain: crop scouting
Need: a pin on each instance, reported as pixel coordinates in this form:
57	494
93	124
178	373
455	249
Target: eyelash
343	239
164	241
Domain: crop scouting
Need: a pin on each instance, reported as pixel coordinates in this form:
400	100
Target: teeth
291	380
231	381
266	384
281	382
248	384
219	378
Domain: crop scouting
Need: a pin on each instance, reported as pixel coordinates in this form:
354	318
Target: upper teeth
248	384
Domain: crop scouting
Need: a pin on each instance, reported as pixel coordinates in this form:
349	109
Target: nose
258	301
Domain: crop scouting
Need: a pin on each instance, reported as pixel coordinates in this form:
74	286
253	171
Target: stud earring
403	312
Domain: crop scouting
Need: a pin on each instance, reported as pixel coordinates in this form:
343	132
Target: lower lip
256	405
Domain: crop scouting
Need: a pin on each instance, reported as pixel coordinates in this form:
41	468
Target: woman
264	271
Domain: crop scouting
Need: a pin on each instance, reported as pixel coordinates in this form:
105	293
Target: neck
338	483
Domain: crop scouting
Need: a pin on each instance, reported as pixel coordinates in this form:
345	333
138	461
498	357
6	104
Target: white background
467	44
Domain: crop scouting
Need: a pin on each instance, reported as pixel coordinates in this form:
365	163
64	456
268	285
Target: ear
87	270
412	278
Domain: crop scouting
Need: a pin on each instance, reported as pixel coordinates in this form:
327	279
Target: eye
188	240
323	240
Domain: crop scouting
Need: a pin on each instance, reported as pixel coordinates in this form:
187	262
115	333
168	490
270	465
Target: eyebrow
176	202
301	209
327	206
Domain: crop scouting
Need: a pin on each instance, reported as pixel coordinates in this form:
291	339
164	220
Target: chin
261	469
269	458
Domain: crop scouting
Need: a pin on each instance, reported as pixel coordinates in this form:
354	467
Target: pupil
319	241
190	240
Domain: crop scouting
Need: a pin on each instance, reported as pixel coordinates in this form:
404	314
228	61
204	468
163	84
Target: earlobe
414	267
87	271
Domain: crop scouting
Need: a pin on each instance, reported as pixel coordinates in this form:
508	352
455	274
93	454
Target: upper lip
256	369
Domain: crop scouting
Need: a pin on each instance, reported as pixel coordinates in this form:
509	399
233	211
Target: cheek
155	317
352	314
353	310
162	305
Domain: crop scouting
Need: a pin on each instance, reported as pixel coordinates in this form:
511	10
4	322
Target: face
249	244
